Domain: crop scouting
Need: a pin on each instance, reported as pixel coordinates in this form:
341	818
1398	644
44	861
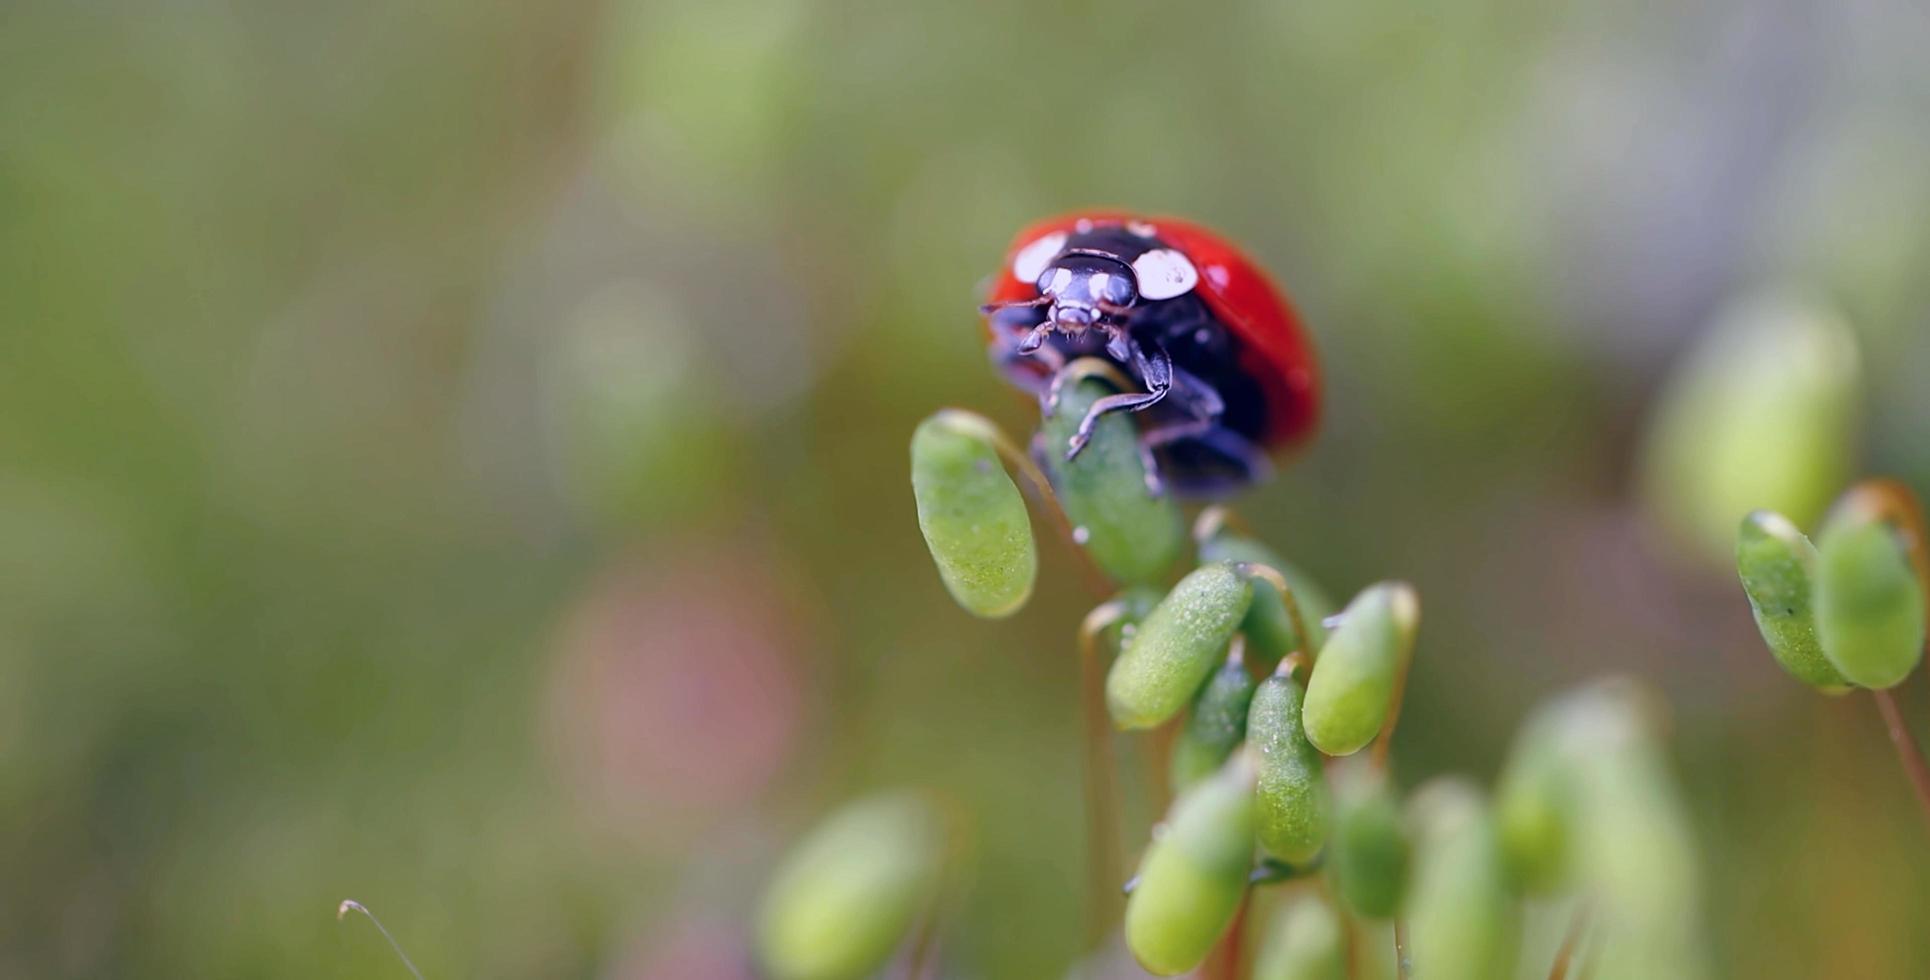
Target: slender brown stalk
1570	942
1908	753
1272	576
1102	811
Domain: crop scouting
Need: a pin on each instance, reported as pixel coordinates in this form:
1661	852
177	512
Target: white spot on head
1061	279
1164	274
1097	285
1032	259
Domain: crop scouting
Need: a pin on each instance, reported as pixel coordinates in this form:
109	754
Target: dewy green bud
1353	683
1762	414
1268	629
1132	535
1776	563
848	893
1307	942
1176	646
1194	873
973	516
1462	919
1868	602
1370	853
1292	798
1215	725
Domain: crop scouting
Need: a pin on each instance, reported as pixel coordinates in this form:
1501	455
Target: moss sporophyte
1263	852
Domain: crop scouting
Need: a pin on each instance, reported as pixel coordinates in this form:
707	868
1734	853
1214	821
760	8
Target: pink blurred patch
688	951
674	690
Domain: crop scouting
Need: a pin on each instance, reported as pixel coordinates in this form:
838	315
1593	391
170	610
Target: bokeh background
452	454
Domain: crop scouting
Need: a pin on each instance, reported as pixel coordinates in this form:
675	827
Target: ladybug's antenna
1012	304
351	905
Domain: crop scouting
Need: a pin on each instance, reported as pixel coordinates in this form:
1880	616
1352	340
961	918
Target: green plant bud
1761	414
1637	856
1292	798
1194	873
1537	812
1533	810
1307	942
1868	602
1462	918
848	893
1776	563
1268	628
1214	726
1138	601
1353	683
1131	534
1173	650
973	516
1370	852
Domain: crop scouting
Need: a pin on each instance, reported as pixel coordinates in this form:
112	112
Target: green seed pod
1194	873
1761	414
1776	563
973	516
1352	687
1215	725
1132	535
1292	798
848	893
1268	628
1637	856
1534	808
1307	942
1462	919
1173	650
1370	852
1868	603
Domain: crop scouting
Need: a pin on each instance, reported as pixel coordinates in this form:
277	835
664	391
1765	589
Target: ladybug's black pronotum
1224	369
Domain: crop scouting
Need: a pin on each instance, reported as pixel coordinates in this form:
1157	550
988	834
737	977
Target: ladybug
1224	369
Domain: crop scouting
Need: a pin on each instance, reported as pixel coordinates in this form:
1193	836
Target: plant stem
1272	576
351	905
1565	955
1400	949
1102	812
1907	750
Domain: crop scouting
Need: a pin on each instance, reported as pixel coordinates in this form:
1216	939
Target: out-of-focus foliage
451	454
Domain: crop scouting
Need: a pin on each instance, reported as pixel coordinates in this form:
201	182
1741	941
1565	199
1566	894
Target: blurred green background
452	455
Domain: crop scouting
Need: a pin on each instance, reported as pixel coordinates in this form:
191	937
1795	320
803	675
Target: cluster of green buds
1848	610
1251	690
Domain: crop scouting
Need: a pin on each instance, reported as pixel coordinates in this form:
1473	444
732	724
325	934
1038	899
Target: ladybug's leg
1155	371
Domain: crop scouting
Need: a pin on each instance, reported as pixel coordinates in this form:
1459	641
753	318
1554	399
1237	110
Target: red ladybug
1224	368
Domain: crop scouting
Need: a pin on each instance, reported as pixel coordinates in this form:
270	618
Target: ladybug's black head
1086	290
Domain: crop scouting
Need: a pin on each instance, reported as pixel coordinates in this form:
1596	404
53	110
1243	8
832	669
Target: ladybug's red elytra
1225	369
